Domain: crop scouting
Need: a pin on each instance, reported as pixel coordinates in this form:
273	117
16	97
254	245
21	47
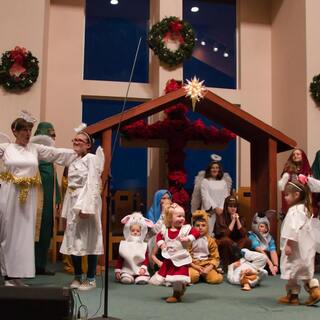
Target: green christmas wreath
315	88
19	69
172	29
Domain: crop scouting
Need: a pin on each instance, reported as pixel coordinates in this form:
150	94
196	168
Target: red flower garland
177	129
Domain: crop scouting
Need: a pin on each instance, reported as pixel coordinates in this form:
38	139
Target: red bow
175	28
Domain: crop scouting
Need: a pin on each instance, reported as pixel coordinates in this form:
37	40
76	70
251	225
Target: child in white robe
248	271
299	243
132	265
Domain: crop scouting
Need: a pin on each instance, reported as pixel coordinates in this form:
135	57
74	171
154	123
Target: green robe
50	186
316	166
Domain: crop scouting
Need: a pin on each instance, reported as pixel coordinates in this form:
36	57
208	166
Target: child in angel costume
299	242
132	264
262	241
173	242
248	271
82	210
211	187
204	253
20	181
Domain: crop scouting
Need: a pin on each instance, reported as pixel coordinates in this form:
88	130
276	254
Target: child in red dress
173	242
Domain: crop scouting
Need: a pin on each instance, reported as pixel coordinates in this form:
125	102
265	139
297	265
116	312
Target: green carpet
201	301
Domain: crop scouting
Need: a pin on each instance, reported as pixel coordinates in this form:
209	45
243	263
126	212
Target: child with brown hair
262	241
299	244
248	269
173	242
204	252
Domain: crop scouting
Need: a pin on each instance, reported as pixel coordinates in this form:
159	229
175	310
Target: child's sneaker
75	284
10	283
88	285
14	283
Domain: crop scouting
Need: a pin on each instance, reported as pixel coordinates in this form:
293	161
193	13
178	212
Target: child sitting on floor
132	264
204	252
248	271
262	240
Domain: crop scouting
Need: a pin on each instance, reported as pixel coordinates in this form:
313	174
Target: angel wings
196	194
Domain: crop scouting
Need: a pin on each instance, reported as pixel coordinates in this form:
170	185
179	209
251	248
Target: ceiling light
114	2
194	9
215	49
226	54
203	43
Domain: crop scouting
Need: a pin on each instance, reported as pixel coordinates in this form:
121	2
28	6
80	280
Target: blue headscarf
155	211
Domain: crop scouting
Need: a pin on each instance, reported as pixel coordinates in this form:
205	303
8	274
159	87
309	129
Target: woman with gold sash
18	198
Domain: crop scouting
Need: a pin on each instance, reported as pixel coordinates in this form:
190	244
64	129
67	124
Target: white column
159	74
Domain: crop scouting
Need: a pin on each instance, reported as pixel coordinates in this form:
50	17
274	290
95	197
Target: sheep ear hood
139	219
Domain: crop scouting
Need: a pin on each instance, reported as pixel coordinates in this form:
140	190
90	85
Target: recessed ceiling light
114	2
215	49
226	54
194	9
203	43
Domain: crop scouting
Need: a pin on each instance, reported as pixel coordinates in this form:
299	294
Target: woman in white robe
18	200
214	190
82	211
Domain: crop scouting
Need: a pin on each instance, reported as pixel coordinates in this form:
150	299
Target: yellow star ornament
195	90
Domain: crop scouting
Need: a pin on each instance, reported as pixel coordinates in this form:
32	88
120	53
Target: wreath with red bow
19	69
172	29
315	88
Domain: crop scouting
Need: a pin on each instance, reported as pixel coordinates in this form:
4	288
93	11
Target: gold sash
23	183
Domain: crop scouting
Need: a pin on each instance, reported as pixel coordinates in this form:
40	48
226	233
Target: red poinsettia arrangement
177	130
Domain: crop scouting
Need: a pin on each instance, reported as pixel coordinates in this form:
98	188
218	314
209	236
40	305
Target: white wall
22	23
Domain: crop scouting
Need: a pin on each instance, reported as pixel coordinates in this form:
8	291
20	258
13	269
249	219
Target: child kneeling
204	252
248	271
132	264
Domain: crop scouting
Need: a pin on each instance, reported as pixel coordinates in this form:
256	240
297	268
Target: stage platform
201	301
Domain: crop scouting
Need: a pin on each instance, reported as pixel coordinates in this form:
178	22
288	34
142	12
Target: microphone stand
108	199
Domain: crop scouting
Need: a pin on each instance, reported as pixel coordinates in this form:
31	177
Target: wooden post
264	178
273	186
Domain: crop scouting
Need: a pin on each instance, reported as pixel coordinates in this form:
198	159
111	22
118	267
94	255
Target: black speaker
45	303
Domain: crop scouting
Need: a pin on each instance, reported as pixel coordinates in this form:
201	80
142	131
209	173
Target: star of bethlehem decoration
195	90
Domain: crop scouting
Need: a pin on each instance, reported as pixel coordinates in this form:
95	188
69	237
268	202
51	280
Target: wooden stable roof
211	106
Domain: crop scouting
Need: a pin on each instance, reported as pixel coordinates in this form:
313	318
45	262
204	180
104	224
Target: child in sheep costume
132	264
